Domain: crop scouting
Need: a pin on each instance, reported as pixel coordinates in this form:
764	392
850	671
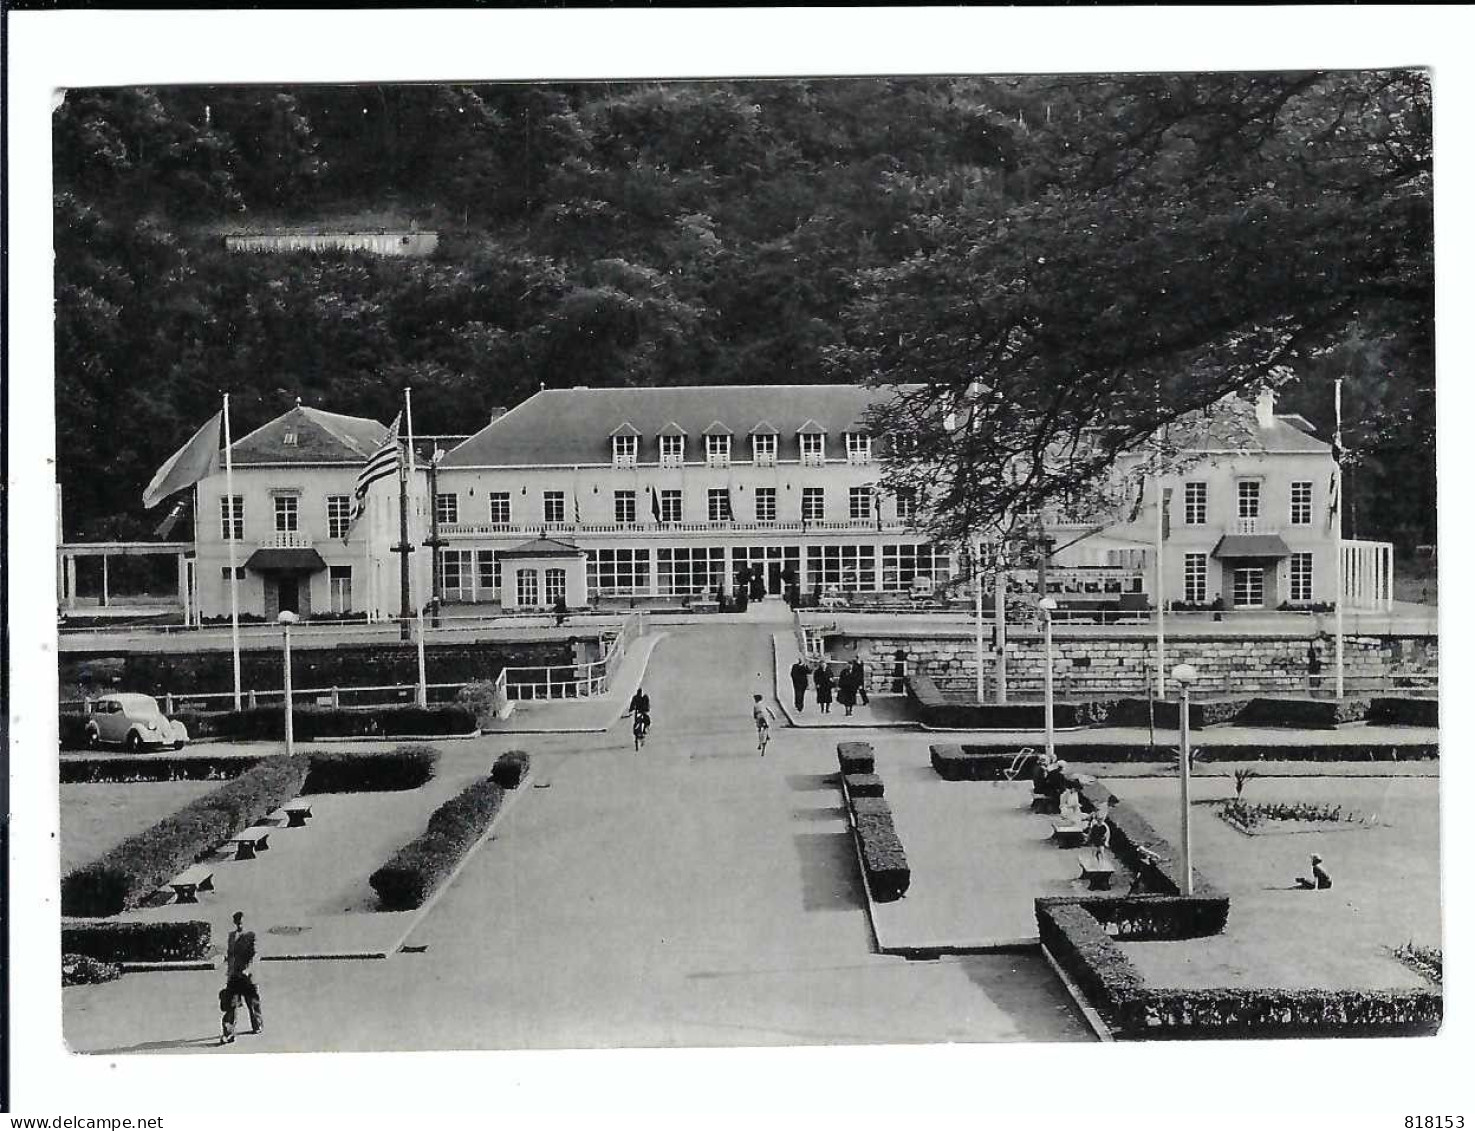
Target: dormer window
857	447
765	449
673	451
811	448
626	449
719	450
289	439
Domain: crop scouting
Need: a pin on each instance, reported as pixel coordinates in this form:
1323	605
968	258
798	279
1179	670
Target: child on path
762	716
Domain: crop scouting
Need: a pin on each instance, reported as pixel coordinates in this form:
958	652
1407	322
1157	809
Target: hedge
84	769
1404	712
938	709
856	758
265	724
409	877
1167	751
1304	713
882	856
1265	1012
141	864
510	768
178	941
1077	940
864	785
870	805
344	771
1165	712
974	763
1151	918
79	970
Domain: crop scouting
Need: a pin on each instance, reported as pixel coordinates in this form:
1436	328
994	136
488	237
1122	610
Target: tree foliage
1096	254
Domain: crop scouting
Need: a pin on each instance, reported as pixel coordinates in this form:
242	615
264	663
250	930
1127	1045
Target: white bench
250	841
1068	835
1096	873
296	813
196	878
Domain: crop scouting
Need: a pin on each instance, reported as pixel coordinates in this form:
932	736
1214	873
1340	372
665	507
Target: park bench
1044	803
196	878
1068	836
296	813
1096	873
251	841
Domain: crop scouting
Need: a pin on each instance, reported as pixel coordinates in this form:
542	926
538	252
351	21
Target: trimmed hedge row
1404	712
139	865
864	785
1303	713
1167	751
413	873
937	709
382	771
309	724
153	768
510	768
976	763
856	758
1164	712
1079	942
179	941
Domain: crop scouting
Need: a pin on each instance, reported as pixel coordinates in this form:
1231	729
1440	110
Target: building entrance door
287	593
775	579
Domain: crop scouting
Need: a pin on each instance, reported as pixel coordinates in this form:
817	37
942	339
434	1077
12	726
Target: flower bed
1427	961
79	970
178	941
856	758
413	873
510	768
1250	816
128	873
344	771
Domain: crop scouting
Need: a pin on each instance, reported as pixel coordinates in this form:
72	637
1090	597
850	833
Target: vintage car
133	722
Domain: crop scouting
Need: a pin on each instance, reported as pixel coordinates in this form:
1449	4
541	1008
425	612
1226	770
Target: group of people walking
848	687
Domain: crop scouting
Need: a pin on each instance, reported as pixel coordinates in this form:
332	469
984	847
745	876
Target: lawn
1385	885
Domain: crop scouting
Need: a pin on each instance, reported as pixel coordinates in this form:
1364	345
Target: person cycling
640	708
762	713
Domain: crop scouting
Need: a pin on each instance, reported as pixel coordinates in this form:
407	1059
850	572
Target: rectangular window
719	451
552	506
240	573
765	504
618	573
285	507
626	448
624	506
447	508
1301	578
860	502
857	447
555	586
499	508
527	587
1195	504
690	571
489	575
455	575
811	448
1249	588
813	505
338	515
1249	498
233	525
848	568
765	449
673	451
1301	503
719	504
340	589
671	506
1195	578
906	504
905	563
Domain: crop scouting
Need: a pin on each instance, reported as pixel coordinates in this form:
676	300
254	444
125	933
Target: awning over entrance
1251	546
286	561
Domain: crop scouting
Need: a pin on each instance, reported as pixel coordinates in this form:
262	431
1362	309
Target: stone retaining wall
1122	664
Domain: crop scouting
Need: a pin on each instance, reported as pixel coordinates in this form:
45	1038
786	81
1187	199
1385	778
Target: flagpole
1341	583
420	690
1162	668
235	604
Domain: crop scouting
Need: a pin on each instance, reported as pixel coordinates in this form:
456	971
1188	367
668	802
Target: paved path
693	894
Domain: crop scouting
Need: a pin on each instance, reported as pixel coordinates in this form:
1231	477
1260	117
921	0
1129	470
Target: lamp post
978	618
1184	674
1047	608
287	619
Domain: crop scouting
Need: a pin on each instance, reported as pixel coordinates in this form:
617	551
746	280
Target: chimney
1265	408
496	414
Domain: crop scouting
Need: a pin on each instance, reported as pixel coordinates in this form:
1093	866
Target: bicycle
640	729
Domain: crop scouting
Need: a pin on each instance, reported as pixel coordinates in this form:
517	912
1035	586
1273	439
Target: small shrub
175	941
484	699
856	758
864	785
510	768
79	970
344	771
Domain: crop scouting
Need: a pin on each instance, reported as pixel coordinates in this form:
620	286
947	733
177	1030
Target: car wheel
133	743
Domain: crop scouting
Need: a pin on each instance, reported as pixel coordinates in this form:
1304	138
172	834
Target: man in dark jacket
799	676
858	677
240	981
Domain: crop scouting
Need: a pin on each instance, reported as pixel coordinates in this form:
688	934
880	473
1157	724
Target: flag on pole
195	461
1332	502
655	504
383	463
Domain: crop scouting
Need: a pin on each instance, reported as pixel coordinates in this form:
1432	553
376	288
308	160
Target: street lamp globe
1048	604
1185	673
286	616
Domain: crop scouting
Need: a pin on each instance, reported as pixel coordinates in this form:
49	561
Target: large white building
595	494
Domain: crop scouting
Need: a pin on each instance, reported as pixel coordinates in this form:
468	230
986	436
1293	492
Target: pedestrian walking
1313	667
799	677
824	687
860	681
240	980
846	693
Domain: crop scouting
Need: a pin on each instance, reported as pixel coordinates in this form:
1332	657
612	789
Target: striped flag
384	462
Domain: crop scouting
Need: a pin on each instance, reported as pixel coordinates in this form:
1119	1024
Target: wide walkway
693	894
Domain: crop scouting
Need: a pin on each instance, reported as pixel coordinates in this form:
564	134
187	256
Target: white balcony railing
1248	526
286	540
529	530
